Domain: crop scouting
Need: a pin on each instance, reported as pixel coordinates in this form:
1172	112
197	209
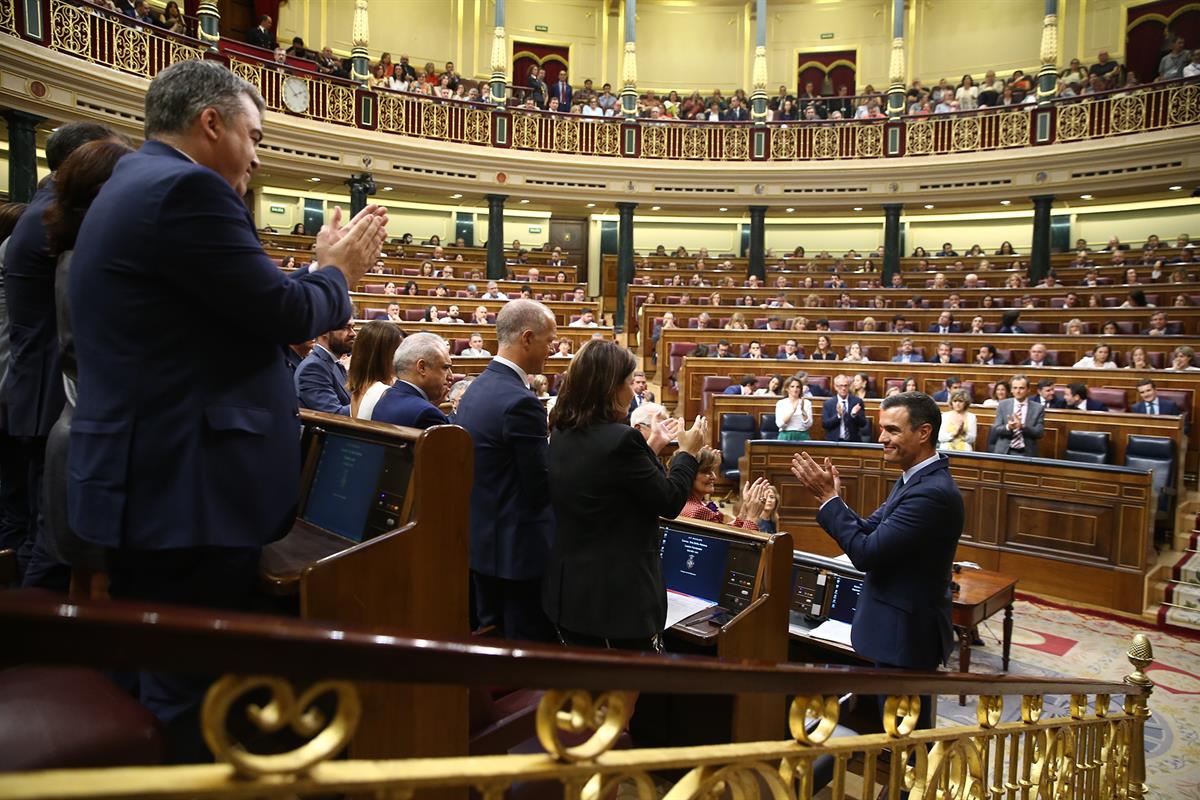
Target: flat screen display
358	487
808	590
843	592
694	564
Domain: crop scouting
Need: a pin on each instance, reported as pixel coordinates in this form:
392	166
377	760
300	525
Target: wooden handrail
43	628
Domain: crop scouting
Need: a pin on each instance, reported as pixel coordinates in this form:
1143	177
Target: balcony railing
1095	751
78	29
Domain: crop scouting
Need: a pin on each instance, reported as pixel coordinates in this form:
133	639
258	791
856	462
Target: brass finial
1140	655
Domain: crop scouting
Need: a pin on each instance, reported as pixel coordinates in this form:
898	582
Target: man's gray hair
521	315
417	346
458	389
646	414
180	92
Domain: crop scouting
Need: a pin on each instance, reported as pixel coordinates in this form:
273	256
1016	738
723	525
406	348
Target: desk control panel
715	572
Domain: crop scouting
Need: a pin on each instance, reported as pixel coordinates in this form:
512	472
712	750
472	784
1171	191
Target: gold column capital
629	68
499	51
1049	53
896	65
760	68
360	32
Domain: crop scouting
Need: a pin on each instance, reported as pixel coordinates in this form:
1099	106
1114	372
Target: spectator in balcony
538	91
608	100
262	35
787	111
561	90
920	253
281	60
173	19
737	112
593	109
1006	249
947	251
1192	68
450	74
1105	69
1172	64
298	50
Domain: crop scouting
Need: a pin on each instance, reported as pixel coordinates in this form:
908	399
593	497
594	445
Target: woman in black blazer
603	586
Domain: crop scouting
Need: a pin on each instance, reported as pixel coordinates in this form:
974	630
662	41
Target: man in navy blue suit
185	456
423	370
34	386
905	548
1151	403
321	379
843	415
561	91
512	522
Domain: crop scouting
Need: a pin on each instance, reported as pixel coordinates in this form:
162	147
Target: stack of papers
681	606
832	630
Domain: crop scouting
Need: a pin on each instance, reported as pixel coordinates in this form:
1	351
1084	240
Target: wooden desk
981	593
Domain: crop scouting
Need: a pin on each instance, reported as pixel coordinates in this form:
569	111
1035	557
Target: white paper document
832	630
681	606
844	559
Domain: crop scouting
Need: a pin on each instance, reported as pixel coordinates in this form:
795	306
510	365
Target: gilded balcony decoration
478	126
783	144
825	143
340	104
1184	105
919	137
183	52
607	138
1074	121
131	49
1128	113
654	141
695	143
8	19
868	141
566	135
1014	129
391	113
525	131
251	73
434	121
70	30
965	135
737	144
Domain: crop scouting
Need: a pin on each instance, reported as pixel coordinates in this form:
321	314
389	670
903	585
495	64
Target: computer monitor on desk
706	570
825	596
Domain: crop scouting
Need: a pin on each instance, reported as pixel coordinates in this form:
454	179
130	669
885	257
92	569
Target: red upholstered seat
373	288
1115	399
70	717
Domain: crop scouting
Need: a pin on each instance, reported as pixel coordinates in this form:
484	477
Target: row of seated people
1049	392
447	270
1158	323
471	291
405	246
452	314
1178	295
1016	277
1101	356
1153	246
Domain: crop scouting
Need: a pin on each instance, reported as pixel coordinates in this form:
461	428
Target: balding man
512	523
423	370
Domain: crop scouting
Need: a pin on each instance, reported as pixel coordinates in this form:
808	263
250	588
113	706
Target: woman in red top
754	496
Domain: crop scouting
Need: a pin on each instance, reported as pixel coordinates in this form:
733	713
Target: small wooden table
981	594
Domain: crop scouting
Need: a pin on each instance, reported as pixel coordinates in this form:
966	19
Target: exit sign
535	228
277	209
826	35
542	28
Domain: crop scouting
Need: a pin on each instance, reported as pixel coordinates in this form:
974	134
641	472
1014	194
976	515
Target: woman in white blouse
372	369
793	413
855	354
959	426
967	94
1101	358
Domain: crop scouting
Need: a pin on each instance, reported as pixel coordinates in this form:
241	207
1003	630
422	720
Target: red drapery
827	71
527	54
1146	30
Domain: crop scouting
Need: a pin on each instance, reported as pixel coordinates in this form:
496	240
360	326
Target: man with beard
321	376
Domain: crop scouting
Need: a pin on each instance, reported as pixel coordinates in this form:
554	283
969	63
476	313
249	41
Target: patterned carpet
1049	639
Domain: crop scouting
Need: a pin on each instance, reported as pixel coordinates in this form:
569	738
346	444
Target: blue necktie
1154	407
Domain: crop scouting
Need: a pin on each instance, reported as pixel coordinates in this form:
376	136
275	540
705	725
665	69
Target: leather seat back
1087	447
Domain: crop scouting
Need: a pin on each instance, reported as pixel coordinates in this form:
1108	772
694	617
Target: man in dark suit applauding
843	415
906	548
512	523
423	370
321	379
184	458
1151	403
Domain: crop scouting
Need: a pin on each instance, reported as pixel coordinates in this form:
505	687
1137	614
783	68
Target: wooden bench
564	312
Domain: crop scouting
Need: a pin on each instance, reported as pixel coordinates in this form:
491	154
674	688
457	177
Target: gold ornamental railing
81	30
1095	751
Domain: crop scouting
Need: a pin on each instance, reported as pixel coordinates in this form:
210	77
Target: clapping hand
1014	422
856	409
691	440
352	248
823	482
754	497
663	433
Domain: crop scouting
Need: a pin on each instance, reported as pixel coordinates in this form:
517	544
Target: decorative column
629	70
895	97
757	263
891	241
496	270
209	30
758	97
499	58
624	259
1039	257
22	155
1047	80
360	34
